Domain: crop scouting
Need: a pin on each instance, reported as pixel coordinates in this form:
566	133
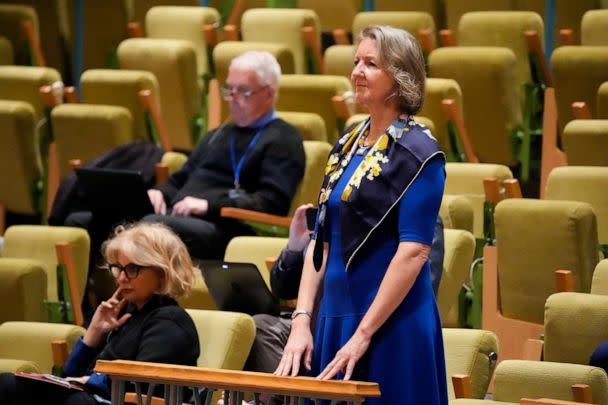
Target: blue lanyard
237	167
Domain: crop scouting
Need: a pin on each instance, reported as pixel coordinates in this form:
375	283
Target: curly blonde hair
154	245
401	57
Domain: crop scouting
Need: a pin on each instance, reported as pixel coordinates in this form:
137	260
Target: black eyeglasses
228	92
131	270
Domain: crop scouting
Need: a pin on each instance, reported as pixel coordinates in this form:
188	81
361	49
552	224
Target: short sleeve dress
406	354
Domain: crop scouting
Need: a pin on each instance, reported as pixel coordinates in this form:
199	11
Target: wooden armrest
66	259
59	349
235	13
340	36
566	36
341	107
446	38
270	262
214	105
533	350
27	28
535	47
451	112
70	95
546	401
462	386
552	156
162	173
210	34
74	164
582	393
149	103
255	216
230	32
312	41
427	41
135	30
564	281
581	111
512	188
491	190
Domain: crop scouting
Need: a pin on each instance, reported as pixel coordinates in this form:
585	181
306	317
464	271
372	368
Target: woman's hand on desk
299	346
347	357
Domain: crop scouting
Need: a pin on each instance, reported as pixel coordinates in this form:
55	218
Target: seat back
310	125
471	352
32	341
457	258
316	153
181	22
435	91
313	93
456	9
6	52
141	7
22	290
22	83
11	18
225	338
491	96
466	179
86	131
516	379
410	21
578	72
599	284
338	60
38	242
456	212
20	186
255	249
593	28
282	26
332	15
585	142
173	62
582	183
502	28
432	7
120	88
534	238
602	101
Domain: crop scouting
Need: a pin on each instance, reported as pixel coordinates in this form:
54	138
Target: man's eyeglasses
228	92
131	270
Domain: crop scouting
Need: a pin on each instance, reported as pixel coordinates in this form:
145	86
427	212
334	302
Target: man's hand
158	201
190	206
299	235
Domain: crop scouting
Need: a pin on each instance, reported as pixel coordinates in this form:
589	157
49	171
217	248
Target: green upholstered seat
593	28
22	83
255	249
11	18
602	101
585	142
31	342
411	21
459	250
456	212
120	88
139	8
310	125
23	288
432	7
599	283
332	14
338	60
6	52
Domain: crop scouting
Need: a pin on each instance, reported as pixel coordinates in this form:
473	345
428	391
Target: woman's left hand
347	357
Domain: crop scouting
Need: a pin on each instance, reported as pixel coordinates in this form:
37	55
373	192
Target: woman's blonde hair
401	56
154	245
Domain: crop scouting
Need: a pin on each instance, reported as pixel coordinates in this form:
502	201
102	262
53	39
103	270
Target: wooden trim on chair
341	107
27	28
533	350
145	96
340	36
564	281
512	188
535	47
69	92
210	34
135	30
235	13
448	106
427	40
462	386
66	259
60	352
491	189
552	156
254	216
312	41
74	164
214	105
581	111
162	173
270	261
566	36
582	393
230	32
446	38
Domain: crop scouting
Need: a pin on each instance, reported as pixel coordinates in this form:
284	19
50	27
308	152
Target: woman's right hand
299	347
105	319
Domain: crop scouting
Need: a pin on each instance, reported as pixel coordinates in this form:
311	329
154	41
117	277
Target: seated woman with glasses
141	321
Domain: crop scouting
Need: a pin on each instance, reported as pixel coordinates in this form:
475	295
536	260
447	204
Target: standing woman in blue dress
367	266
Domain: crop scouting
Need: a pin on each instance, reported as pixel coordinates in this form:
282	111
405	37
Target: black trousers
20	391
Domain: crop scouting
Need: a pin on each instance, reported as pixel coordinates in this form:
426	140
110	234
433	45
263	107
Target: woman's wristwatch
301	312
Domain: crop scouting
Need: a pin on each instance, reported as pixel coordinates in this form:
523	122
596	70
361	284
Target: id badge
235	193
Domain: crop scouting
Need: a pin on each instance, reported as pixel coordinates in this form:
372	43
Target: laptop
238	287
113	194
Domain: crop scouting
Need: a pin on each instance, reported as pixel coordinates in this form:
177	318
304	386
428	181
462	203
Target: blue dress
406	354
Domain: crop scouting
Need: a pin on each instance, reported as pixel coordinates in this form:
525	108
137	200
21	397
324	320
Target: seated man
255	162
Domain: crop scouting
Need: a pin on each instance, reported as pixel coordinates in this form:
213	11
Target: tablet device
239	287
117	195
